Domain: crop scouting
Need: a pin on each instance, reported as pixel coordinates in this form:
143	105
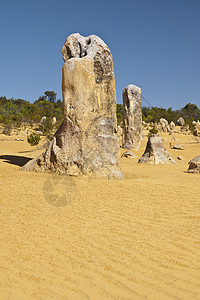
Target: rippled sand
69	238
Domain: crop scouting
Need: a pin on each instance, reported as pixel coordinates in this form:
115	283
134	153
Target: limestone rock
197	128
155	152
180	121
54	121
178	147
132	117
43	120
128	154
39	132
86	142
172	125
194	165
180	157
163	124
177	131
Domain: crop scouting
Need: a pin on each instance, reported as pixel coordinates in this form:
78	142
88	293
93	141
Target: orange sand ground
137	238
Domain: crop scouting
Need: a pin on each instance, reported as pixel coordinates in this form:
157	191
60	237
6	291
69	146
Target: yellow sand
73	238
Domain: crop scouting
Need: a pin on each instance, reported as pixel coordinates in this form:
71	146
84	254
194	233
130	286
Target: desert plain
79	238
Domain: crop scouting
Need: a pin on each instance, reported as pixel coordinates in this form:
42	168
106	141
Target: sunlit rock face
86	142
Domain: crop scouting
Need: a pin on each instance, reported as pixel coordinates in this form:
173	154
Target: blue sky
155	44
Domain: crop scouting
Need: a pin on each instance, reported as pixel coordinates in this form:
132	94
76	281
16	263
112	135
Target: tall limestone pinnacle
86	142
132	117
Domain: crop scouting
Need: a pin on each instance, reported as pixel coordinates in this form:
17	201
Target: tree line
190	112
15	112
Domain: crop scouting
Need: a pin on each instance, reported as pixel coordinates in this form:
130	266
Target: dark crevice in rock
69	53
88	42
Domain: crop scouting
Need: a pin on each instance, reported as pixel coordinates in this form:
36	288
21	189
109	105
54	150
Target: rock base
69	152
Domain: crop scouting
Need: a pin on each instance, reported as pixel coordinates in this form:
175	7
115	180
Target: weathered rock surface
194	165
128	154
86	142
132	117
155	152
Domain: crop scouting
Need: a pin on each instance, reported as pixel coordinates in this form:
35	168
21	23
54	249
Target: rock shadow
15	160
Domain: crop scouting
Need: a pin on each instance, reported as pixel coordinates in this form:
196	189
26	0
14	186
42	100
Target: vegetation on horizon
33	139
15	112
189	113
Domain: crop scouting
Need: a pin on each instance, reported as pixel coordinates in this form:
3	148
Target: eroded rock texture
86	143
155	152
132	117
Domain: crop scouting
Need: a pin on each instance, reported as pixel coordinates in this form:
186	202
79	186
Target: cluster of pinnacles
87	142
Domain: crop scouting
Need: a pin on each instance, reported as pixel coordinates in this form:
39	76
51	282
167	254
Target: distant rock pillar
132	117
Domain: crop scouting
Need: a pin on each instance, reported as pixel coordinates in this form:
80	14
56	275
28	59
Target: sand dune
77	238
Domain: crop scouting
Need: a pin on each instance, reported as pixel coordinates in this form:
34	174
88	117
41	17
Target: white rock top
134	88
77	46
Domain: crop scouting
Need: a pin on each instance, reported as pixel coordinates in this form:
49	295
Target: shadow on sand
15	160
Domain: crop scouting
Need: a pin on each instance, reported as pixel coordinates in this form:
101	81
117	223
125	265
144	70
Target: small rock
177	131
54	121
39	132
194	165
178	147
180	157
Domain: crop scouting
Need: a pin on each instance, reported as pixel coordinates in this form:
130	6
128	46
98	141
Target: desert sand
78	238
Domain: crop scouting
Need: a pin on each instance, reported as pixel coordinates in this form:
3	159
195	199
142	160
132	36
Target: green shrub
33	139
152	131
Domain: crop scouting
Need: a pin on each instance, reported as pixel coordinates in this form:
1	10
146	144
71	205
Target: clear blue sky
155	44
